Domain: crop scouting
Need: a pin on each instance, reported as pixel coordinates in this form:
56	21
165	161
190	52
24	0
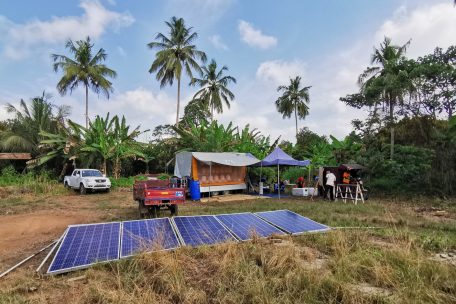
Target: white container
300	192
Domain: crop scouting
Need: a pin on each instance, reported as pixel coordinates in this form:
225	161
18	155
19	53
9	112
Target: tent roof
183	162
352	167
226	158
279	157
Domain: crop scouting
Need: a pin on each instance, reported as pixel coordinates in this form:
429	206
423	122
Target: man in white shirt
330	183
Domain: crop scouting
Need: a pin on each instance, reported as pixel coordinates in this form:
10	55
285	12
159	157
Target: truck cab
87	179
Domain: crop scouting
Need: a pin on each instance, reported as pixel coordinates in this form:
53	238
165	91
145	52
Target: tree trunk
62	173
296	122
87	105
178	100
117	168
147	167
391	129
212	113
105	169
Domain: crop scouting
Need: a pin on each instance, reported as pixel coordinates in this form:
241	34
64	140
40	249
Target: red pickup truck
152	195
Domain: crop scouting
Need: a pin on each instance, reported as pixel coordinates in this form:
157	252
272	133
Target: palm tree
294	99
86	69
387	81
30	119
214	88
175	53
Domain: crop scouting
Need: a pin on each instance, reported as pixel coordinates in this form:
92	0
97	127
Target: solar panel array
246	225
147	235
201	230
84	245
291	222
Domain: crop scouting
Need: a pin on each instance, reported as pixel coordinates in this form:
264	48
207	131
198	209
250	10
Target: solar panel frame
84	266
233	238
279	231
173	229
327	228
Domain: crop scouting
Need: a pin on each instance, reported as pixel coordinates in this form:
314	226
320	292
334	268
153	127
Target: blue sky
263	43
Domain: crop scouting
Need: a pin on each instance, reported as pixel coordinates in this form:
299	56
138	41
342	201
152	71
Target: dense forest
407	142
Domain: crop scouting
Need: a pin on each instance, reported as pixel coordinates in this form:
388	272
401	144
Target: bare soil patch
23	234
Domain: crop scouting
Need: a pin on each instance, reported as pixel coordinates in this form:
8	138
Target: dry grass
389	265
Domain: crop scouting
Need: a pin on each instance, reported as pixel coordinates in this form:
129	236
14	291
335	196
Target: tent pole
260	183
210	178
278	180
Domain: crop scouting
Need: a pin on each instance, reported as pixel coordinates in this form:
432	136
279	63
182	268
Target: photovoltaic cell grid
201	230
147	235
84	245
245	225
291	222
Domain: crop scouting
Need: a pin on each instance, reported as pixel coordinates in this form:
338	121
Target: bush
293	173
33	182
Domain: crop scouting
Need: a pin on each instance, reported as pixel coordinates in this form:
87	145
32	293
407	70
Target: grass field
408	257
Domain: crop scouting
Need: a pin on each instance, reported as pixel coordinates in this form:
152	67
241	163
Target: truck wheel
82	189
67	186
142	209
174	209
154	211
108	190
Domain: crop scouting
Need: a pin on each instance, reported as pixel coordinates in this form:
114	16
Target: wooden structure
15	156
351	192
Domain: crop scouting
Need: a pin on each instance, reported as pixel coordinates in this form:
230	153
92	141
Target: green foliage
293	100
408	172
176	53
84	68
293	173
22	133
126	182
215	137
214	91
31	182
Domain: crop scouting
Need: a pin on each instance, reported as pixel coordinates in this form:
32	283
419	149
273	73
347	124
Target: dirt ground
28	225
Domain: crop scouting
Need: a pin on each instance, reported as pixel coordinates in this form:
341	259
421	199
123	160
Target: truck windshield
95	173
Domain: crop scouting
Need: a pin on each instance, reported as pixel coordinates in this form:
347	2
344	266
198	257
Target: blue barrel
195	192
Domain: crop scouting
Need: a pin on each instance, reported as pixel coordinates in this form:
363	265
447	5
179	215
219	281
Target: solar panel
291	222
147	235
245	225
201	230
84	245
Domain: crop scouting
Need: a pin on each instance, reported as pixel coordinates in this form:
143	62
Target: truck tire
67	186
154	211
142	209
174	209
82	189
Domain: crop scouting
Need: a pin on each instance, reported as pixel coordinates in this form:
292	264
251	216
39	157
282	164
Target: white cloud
255	37
428	26
193	10
217	42
95	21
279	71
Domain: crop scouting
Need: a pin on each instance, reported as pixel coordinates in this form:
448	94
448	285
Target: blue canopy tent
279	157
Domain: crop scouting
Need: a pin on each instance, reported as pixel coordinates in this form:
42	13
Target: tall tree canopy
214	91
175	53
23	131
387	80
293	100
84	68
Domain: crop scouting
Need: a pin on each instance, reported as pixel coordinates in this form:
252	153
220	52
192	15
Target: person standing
330	182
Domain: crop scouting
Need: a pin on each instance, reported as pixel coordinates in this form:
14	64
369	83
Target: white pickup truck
87	179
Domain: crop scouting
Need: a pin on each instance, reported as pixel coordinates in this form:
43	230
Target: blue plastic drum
195	192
